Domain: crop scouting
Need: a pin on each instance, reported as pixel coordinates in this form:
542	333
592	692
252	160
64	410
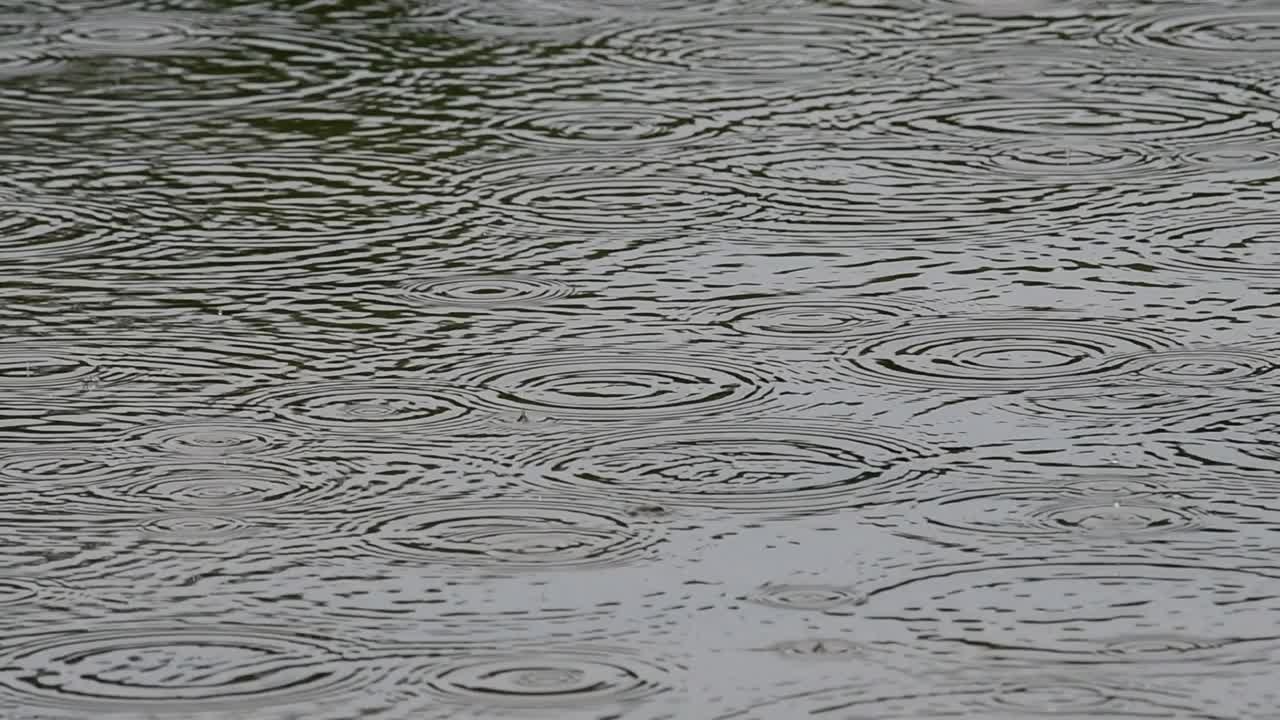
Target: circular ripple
1060	696
206	497
252	483
1156	644
1232	156
759	47
1248	415
826	598
41	229
1200	367
32	472
1104	614
1203	35
140	67
1249	451
803	320
212	438
745	466
1110	115
20	590
610	195
25	61
615	384
873	168
1245	246
147	669
824	648
549	679
148	357
827	165
1010	69
1116	402
1051	513
370	406
1008	12
1120	517
892	212
511	18
33	369
288	199
1088	468
997	353
1068	696
605	128
199	528
22	48
1080	158
130	34
659	8
497	534
485	290
849	174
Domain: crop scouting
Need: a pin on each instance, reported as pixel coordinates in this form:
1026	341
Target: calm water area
614	360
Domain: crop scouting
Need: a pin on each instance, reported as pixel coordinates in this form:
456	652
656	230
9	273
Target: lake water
593	359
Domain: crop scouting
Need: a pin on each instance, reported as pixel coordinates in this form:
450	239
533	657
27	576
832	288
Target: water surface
596	359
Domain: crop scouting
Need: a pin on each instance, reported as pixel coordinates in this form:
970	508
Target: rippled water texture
612	360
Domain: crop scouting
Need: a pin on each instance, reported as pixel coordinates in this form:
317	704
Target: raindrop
823	648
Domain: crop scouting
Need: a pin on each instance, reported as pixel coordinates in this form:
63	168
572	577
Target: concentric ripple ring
548	679
374	406
174	670
998	353
513	534
745	466
615	384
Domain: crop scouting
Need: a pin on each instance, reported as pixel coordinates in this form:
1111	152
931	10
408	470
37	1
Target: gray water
593	359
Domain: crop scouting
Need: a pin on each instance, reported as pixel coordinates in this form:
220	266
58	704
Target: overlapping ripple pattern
594	359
